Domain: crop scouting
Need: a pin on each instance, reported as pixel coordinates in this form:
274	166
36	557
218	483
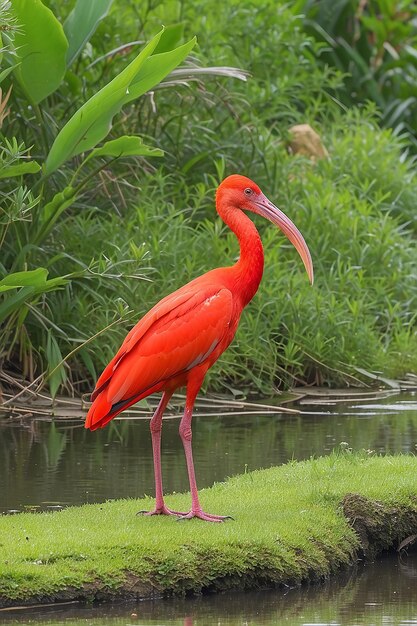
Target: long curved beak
265	208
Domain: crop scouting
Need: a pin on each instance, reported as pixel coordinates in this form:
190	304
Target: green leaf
411	52
170	38
13	302
398	108
33	278
5	72
30	285
376	26
332	12
81	24
54	283
52	211
92	122
41	48
27	167
125	146
364	71
156	68
88	362
56	371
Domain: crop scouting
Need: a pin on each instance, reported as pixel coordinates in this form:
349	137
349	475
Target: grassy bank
299	522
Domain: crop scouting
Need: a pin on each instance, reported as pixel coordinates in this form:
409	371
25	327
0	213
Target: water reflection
45	463
381	593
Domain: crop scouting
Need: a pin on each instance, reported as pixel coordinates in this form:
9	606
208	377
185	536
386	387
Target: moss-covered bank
294	523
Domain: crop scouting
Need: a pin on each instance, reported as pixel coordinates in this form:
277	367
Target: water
60	463
48	464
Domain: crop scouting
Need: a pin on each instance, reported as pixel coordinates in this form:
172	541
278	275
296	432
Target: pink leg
186	436
156	428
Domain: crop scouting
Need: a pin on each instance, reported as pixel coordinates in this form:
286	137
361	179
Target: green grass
288	528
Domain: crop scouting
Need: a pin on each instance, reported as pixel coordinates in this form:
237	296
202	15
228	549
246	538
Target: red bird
181	337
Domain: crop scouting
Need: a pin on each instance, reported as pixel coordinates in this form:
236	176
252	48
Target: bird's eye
248	191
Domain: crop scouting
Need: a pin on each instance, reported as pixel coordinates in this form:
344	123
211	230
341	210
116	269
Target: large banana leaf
93	121
41	48
81	24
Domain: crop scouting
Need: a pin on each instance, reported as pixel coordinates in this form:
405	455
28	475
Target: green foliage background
141	229
374	45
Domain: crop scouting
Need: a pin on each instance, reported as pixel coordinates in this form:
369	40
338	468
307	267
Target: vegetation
374	44
288	528
40	53
91	240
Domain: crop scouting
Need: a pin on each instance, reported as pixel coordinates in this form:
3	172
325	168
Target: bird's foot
161	510
207	517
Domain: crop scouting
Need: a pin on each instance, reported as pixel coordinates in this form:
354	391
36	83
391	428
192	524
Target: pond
47	464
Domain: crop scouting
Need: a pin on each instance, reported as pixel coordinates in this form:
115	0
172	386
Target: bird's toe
207	517
162	510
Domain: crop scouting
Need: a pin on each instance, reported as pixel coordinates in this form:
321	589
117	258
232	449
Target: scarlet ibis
181	337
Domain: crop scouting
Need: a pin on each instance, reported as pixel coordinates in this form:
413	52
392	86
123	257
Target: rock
305	141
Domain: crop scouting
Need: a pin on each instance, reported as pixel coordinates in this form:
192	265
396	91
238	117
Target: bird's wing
163	307
181	331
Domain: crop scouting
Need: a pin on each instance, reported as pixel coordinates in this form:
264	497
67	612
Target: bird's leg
156	428
186	436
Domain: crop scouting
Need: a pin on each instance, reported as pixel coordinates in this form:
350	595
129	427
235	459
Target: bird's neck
247	272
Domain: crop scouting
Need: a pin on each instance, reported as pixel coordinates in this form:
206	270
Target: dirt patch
132	589
379	526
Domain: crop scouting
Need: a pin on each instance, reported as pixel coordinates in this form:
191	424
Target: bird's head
242	193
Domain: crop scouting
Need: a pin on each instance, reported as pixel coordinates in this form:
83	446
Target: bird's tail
99	413
102	411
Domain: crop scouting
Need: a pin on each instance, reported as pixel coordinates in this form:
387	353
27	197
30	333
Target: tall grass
361	311
374	45
142	232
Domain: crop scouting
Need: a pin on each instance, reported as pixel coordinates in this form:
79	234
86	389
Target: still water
60	463
48	464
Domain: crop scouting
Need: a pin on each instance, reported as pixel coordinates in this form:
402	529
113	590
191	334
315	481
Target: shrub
374	45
